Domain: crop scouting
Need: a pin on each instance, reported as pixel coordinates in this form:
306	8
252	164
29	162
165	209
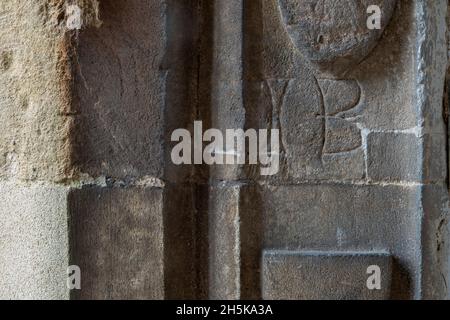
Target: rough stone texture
35	97
33	242
436	172
386	160
225	243
185	242
127	57
433	53
116	237
323	276
435	244
331	218
88	114
333	34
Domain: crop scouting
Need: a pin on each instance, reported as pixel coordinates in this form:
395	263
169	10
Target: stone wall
86	176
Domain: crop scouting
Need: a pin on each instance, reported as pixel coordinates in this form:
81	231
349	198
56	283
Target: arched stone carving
333	35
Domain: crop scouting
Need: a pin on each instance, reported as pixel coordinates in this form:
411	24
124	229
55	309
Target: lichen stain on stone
90	12
6	60
54	13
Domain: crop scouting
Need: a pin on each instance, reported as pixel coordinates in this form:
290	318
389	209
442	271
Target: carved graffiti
333	34
321	110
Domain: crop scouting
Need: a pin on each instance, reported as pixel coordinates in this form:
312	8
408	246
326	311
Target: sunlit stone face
333	34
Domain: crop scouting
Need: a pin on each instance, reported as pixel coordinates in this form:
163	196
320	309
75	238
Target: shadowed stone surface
116	238
333	34
342	218
119	119
387	160
290	275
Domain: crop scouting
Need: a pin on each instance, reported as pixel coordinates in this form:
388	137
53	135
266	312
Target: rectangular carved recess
351	174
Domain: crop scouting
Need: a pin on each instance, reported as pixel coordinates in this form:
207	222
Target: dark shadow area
401	282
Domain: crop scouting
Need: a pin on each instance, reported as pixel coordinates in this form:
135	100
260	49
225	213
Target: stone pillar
227	112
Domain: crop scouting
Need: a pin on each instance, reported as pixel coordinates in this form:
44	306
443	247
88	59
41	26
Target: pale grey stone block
34	248
224	242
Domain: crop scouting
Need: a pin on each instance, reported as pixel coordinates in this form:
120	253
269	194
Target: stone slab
116	238
394	157
342	217
120	92
290	275
34	249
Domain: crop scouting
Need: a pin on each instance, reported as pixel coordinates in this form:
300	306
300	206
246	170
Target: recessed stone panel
342	217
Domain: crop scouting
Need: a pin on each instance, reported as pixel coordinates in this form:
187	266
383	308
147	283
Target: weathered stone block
120	92
35	97
394	157
340	217
224	246
117	240
324	275
435	167
328	36
436	248
34	249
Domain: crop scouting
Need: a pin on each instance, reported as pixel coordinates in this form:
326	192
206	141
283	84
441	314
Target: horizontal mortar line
324	182
144	182
329	253
161	184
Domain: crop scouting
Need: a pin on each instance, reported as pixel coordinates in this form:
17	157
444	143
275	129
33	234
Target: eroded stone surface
333	34
33	242
117	240
120	92
34	91
394	157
